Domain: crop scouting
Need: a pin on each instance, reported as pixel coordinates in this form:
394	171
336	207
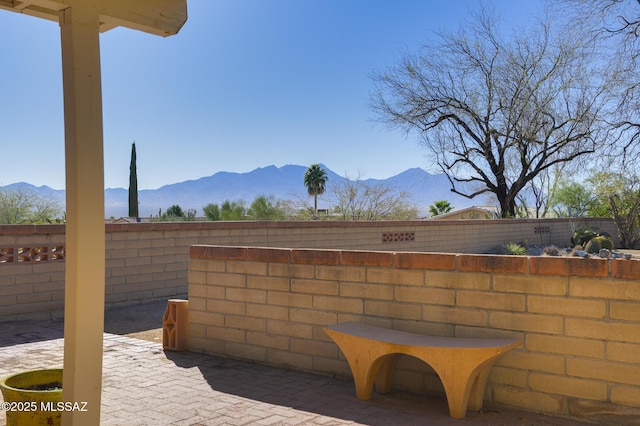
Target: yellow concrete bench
463	364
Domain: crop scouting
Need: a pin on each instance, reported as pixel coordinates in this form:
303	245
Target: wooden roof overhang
159	17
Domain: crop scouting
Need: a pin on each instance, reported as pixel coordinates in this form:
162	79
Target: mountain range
284	182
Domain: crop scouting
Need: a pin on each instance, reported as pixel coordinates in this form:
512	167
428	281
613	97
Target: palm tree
315	179
440	207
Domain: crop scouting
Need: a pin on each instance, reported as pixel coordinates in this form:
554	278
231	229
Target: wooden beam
158	17
46	9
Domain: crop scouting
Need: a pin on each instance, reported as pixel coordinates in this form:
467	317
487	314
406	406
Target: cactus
598	243
592	240
582	235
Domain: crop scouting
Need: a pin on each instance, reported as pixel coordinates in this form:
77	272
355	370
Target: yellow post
80	24
85	237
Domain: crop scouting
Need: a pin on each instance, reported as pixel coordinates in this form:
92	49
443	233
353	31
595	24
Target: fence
146	261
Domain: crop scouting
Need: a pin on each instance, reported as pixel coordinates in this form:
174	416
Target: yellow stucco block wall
579	318
146	261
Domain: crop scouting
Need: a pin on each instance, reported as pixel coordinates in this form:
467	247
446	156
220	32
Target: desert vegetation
19	206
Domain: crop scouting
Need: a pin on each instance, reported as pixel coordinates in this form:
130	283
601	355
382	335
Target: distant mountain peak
285	182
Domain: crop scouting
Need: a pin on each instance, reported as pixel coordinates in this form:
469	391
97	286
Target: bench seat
462	364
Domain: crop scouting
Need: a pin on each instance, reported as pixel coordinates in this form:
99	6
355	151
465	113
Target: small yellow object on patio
175	325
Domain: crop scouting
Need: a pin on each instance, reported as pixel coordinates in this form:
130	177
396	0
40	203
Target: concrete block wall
31	285
147	261
142	264
579	318
146	264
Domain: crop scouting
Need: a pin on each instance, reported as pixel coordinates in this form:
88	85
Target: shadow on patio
142	384
255	392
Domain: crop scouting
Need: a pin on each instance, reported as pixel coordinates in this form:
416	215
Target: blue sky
245	84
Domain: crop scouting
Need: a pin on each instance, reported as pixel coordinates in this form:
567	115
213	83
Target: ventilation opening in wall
542	229
394	237
13	255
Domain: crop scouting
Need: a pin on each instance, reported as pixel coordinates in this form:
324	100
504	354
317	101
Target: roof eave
158	17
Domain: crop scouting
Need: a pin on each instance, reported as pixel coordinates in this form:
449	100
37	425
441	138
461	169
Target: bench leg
383	378
464	383
364	368
365	365
457	387
366	372
476	395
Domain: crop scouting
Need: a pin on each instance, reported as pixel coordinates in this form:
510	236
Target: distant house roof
467	213
124	220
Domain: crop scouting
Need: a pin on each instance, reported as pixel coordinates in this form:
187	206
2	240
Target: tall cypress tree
133	184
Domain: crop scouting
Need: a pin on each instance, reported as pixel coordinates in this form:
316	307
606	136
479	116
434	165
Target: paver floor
145	385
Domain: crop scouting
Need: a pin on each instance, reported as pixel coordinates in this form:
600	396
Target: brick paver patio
144	385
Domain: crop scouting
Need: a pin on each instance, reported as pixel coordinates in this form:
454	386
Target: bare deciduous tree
616	19
496	113
615	26
359	200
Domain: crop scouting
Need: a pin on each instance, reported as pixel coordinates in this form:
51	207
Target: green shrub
515	249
